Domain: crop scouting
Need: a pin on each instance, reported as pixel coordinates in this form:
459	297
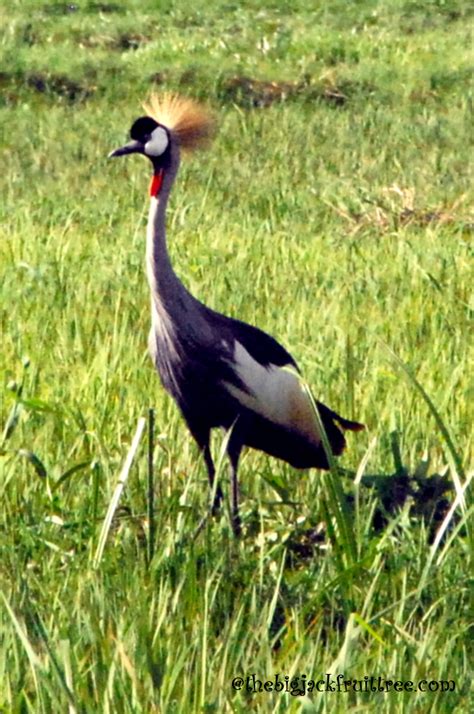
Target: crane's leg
211	472
233	450
201	436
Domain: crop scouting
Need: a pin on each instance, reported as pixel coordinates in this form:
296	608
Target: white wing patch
274	393
157	143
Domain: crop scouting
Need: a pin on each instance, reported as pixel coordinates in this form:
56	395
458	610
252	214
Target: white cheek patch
157	143
275	394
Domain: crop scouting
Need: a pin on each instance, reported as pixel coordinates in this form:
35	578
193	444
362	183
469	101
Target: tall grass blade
65	648
336	498
33	658
118	491
151	485
456	462
40	628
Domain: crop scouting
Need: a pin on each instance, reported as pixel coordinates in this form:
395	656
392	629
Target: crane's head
148	138
171	121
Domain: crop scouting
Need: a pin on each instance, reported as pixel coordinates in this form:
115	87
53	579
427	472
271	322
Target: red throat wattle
156	182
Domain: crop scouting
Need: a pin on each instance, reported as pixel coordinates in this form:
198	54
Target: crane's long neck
165	286
177	317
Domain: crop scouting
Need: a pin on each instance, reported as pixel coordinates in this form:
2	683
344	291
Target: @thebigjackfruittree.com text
299	686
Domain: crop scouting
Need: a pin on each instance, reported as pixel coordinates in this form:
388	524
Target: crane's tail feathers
291	446
190	122
335	436
348	424
327	414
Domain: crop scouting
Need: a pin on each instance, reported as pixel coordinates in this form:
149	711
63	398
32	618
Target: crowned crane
222	372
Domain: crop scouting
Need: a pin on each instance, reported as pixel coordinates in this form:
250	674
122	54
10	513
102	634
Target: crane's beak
133	147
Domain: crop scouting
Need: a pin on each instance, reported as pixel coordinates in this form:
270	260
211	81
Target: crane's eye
157	143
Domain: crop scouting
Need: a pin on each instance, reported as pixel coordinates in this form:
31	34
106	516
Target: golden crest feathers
190	122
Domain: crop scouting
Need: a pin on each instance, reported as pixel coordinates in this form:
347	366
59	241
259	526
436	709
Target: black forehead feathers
142	127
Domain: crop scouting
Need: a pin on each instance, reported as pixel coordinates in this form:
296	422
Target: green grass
332	211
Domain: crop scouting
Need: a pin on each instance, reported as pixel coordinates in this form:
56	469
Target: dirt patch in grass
248	92
129	41
245	91
62	8
158	78
104	7
397	206
121	43
57	85
418	18
70	8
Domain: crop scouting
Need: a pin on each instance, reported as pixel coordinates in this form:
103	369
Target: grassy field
333	210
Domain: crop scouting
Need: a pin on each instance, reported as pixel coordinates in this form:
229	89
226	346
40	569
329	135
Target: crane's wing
262	347
267	382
